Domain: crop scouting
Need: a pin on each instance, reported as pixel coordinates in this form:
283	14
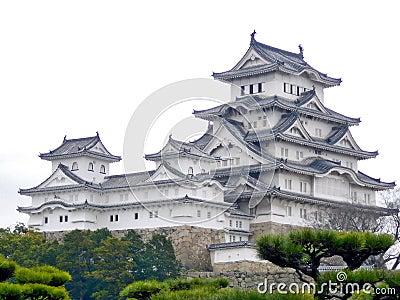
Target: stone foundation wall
189	242
250	280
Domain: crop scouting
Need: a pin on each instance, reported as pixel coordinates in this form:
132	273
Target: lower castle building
273	155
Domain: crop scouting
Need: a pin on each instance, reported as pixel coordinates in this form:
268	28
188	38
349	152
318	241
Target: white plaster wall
233	254
83	163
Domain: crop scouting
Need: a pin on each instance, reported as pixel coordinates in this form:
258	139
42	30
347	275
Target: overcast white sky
77	67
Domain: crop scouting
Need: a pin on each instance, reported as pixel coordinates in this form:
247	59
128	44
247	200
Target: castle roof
240	244
86	204
311	166
275	59
279	131
76	182
175	148
264	102
89	146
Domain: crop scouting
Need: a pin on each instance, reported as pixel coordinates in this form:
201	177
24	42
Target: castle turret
86	157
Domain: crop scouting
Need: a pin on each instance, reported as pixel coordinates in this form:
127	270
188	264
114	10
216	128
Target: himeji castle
274	155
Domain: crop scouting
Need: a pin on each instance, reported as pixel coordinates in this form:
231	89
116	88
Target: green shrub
44	275
143	289
209	293
7	268
12	291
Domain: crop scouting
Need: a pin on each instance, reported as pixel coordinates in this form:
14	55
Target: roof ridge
281	51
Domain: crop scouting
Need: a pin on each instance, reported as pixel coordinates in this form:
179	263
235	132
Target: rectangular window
116	218
246	90
136	216
288	184
46	220
293	89
156	214
284	152
288	211
366	198
198	213
230	223
233	238
150	214
230	238
65	218
237	224
303	213
286	87
243	89
303	187
111	218
299	155
354	196
240	224
208	215
61	219
251	89
261	87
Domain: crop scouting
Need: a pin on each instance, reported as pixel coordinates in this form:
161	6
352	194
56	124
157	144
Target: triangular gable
242	188
58	178
347	141
99	148
250	59
315	104
297	129
164	173
222	130
169	148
